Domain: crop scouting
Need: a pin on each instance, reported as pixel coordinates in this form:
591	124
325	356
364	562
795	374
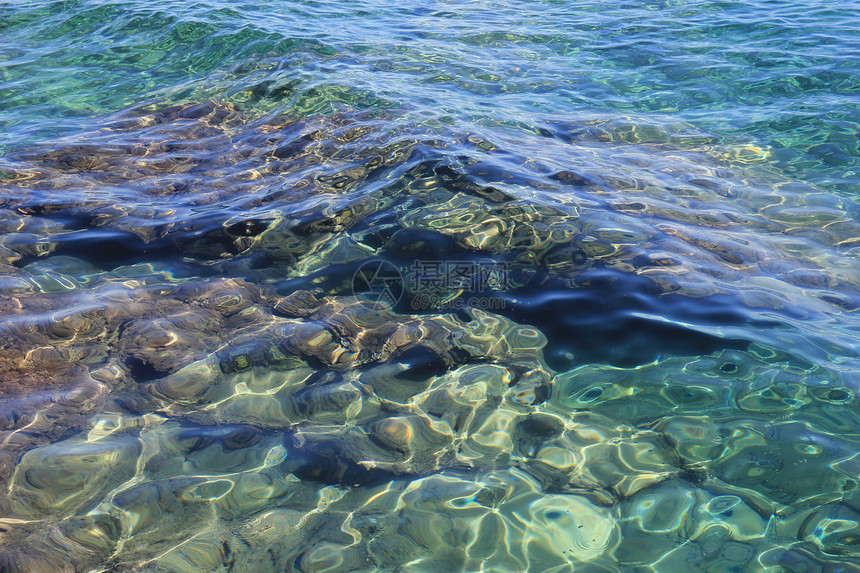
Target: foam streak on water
342	287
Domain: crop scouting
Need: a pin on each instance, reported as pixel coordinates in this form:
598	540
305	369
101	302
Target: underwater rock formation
189	382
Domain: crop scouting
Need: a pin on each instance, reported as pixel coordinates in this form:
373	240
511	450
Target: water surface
490	286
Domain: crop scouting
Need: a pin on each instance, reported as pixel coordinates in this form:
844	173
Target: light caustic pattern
193	377
190	385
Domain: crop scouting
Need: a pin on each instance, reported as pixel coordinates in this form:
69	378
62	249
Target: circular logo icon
379	283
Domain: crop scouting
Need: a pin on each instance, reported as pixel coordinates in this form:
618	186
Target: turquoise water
365	286
783	74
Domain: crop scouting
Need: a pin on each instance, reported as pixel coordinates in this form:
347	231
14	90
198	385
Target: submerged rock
192	380
69	476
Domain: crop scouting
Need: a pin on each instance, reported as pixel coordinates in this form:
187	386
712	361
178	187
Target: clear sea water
429	287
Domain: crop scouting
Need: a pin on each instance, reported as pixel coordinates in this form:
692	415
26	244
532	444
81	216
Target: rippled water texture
647	359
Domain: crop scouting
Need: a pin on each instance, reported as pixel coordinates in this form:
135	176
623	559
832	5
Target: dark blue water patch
108	249
323	463
105	248
420	363
610	320
409	245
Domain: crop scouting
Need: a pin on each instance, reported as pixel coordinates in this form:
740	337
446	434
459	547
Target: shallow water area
343	287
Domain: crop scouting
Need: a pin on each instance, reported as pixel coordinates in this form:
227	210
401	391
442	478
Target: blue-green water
782	74
364	286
